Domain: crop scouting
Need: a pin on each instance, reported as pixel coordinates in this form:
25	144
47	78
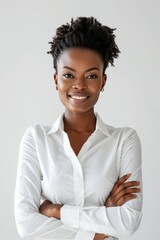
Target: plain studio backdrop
28	95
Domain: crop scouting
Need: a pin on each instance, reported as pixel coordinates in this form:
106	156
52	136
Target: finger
125	199
119	192
126	185
126	191
121	181
113	199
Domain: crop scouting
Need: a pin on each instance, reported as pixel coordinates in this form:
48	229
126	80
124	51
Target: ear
104	80
56	80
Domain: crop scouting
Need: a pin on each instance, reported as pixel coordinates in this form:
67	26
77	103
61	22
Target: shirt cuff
70	215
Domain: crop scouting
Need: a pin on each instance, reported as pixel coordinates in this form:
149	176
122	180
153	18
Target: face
79	79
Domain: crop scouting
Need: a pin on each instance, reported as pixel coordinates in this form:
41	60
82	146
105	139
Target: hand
50	210
122	192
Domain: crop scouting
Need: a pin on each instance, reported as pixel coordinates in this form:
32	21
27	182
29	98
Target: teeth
79	97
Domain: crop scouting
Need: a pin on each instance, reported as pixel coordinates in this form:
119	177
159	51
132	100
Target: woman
87	173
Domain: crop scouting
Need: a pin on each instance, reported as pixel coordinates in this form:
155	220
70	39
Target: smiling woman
87	173
79	79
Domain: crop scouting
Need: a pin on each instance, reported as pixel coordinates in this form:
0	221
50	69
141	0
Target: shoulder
125	136
115	132
125	131
37	130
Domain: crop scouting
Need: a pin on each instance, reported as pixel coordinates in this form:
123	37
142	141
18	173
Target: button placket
77	173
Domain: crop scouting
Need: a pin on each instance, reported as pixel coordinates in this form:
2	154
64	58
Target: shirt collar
102	126
60	125
57	125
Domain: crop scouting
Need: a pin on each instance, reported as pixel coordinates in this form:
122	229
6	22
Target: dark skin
79	80
79	132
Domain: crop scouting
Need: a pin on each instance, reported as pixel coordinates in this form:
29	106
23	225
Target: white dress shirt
49	169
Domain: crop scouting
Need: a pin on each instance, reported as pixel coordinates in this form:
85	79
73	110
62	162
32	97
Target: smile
79	97
76	99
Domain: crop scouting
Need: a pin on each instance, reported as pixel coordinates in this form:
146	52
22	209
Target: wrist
57	210
100	236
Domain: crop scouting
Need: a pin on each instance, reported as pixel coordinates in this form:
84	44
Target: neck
79	122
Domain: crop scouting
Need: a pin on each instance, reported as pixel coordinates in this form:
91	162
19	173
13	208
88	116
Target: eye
92	76
68	75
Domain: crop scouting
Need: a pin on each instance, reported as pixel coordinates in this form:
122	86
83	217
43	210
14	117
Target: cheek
63	86
96	88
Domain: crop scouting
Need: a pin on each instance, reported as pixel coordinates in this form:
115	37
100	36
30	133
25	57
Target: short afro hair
85	32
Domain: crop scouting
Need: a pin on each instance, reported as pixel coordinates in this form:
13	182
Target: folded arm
121	214
121	193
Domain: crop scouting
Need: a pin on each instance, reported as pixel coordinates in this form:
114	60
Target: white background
28	96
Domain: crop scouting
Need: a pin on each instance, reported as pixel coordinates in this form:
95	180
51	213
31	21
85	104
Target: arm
49	209
116	221
30	222
121	193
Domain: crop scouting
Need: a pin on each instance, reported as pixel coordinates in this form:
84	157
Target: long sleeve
30	223
114	221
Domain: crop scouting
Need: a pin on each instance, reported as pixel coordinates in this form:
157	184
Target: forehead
79	57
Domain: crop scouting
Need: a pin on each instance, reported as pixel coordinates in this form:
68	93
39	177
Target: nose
79	84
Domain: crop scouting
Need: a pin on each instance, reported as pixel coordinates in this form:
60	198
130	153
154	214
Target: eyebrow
87	70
